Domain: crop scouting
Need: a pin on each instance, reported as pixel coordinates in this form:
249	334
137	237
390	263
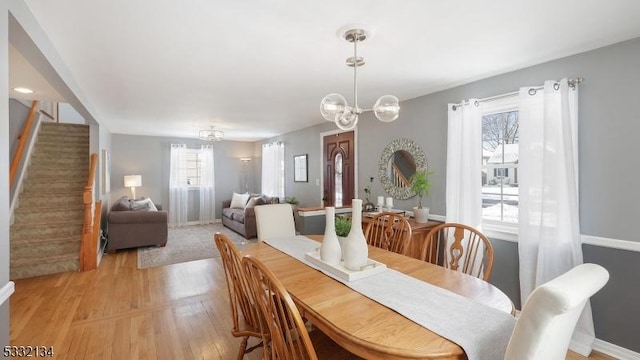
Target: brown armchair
129	228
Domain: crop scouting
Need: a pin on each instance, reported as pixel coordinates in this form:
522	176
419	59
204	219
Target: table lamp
133	181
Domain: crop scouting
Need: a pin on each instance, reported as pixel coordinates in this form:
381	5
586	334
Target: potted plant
293	201
368	206
343	226
421	184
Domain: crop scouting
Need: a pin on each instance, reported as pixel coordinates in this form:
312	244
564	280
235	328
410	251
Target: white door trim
6	291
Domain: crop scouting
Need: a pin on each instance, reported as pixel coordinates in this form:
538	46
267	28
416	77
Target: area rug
187	243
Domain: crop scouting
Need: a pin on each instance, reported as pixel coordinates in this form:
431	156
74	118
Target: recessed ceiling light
23	90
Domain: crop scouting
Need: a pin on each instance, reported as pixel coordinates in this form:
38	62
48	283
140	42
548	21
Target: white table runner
482	331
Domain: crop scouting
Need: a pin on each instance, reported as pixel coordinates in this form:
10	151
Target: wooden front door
339	169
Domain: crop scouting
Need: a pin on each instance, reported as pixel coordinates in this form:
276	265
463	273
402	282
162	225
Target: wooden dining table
363	326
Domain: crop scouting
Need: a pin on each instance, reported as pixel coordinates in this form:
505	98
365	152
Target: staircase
46	233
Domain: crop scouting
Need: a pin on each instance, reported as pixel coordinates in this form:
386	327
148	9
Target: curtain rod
532	91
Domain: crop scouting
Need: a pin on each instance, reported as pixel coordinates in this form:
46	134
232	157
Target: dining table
363	326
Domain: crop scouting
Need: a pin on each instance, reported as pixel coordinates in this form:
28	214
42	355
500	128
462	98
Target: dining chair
459	247
389	231
549	316
275	220
290	338
240	297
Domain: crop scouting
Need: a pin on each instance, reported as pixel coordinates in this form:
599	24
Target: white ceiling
23	74
256	69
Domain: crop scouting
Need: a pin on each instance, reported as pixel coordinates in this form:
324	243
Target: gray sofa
130	228
243	221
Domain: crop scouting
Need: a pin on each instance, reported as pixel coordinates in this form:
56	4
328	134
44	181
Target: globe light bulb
332	105
387	108
347	120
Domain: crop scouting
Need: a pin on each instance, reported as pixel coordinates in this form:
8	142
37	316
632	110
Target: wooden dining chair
459	247
275	220
549	316
389	231
290	339
240	298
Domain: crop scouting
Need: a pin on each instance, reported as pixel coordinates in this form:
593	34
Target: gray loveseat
243	221
133	228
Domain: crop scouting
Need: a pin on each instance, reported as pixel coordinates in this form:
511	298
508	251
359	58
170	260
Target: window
193	168
500	135
273	169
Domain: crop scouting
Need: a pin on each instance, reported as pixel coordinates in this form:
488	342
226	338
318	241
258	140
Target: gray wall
4	327
305	141
68	115
4	169
149	156
608	132
18	113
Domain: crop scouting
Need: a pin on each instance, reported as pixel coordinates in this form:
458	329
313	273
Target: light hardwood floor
178	311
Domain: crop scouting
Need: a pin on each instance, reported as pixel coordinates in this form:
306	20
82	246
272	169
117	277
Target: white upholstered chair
274	220
549	316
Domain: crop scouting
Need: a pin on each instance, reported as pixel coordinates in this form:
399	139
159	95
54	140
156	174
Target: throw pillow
121	204
269	200
239	201
252	202
142	205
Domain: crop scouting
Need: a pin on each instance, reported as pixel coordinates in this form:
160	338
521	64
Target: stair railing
24	147
91	225
22	142
399	179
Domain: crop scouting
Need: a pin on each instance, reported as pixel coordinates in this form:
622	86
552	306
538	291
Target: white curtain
178	190
273	169
207	188
464	164
549	230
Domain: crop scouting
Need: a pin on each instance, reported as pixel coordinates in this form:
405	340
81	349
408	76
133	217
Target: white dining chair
545	326
275	220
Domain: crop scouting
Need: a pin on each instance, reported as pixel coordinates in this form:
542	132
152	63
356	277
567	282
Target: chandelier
211	135
335	108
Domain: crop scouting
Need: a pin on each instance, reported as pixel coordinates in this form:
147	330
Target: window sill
500	232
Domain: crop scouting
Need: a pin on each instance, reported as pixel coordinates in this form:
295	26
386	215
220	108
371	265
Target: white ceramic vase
330	251
421	215
355	251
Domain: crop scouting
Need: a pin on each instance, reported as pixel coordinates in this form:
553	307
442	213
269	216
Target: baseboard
191	223
6	291
615	351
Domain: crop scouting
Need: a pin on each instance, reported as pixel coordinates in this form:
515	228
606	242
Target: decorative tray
372	267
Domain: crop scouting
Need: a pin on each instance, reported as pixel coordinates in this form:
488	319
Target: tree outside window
500	135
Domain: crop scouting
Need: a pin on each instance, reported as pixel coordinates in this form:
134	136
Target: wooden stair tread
48	222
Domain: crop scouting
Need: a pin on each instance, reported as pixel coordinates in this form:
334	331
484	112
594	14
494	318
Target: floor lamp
245	164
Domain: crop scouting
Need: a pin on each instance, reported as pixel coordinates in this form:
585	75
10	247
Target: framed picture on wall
300	169
106	172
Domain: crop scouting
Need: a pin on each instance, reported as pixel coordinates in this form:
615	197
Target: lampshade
132	180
